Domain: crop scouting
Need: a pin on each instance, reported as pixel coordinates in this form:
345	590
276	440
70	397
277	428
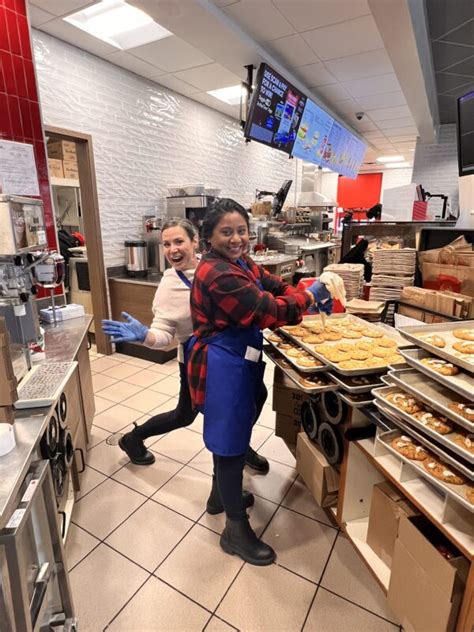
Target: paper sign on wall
18	175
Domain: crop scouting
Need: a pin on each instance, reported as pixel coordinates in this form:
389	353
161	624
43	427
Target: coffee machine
152	227
192	207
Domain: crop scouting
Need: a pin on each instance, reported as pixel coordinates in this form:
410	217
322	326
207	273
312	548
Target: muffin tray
445	440
312	349
444	330
292	361
351	386
462	383
457	492
431	393
293	374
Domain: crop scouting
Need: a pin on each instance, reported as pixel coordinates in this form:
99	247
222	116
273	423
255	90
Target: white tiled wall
146	137
436	167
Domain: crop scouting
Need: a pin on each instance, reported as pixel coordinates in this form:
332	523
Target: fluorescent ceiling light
326	170
118	24
390	158
397	165
230	95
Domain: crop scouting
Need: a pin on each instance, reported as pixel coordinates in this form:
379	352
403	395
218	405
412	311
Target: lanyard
243	264
184	278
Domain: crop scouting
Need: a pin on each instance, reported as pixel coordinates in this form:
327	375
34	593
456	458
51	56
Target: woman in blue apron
232	300
172	318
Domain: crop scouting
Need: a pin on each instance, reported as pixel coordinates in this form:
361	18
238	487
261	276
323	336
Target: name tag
252	354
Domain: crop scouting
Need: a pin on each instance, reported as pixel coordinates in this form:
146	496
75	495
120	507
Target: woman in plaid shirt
232	300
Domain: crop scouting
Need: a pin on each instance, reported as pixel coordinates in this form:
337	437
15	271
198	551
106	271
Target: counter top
62	342
151	279
274	259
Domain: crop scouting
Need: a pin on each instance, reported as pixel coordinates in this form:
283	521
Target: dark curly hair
217	210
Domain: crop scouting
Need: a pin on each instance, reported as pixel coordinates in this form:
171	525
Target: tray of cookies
346	343
439	428
440	370
445	477
436	395
297	357
308	383
453	342
357	383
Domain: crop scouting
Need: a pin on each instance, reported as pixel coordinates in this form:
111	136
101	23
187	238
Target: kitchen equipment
193	207
22	222
49	273
152	227
136	261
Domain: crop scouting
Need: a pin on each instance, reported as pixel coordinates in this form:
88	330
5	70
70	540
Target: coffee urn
136	259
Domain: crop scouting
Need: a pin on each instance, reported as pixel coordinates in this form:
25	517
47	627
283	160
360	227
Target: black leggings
229	473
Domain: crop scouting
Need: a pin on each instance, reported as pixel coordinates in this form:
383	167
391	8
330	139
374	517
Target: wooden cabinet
86	388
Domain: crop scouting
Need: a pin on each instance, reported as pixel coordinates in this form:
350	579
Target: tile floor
144	555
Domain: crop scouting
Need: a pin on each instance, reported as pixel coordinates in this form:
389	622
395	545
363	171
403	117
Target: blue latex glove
131	331
322	297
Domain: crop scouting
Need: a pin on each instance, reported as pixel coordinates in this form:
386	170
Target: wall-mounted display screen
313	133
465	131
343	152
275	112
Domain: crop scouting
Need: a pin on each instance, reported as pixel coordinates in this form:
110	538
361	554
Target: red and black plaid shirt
225	295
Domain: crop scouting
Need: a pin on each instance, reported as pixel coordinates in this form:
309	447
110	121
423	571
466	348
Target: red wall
20	113
363	192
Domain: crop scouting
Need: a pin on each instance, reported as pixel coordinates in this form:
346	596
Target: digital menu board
343	152
275	112
313	133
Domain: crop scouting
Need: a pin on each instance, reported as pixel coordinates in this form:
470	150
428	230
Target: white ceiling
331	48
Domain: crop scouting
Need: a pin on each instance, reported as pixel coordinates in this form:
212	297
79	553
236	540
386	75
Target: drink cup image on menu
282	134
279	109
303	130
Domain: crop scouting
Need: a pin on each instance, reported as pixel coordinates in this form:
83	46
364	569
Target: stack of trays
392	270
353	276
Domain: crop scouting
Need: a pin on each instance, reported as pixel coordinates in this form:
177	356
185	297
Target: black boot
135	449
239	538
256	462
214	503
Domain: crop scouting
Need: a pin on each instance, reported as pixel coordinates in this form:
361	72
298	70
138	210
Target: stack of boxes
62	159
8	382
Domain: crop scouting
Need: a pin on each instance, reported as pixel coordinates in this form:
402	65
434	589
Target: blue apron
188	344
234	376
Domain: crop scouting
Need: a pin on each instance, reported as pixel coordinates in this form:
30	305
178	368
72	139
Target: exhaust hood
313	198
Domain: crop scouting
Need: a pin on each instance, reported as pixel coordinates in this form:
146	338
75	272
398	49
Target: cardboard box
287	427
55	167
425	588
62	150
321	478
387	506
287	397
70	169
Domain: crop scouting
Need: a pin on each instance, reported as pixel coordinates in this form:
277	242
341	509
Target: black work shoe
238	538
135	449
214	503
256	462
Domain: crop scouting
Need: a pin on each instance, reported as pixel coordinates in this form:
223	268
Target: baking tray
461	383
292	361
350	318
356	403
275	356
346	386
379	393
431	393
445	330
457	492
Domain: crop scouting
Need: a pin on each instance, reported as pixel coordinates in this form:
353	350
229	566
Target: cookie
403	401
299	332
273	337
440	366
433	340
337	356
470	494
313	339
285	345
308	362
441	472
312	382
350	364
380	352
464	334
345	347
359	354
439	424
365	346
331	336
465	441
387	343
351	335
464	347
396	359
294	353
284	363
463	410
372	333
404	445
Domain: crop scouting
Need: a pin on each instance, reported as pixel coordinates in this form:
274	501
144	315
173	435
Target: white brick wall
436	166
146	137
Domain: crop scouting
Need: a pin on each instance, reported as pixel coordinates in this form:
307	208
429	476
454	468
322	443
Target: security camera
360	115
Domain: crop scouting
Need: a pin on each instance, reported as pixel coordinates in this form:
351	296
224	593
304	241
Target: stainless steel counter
274	259
62	343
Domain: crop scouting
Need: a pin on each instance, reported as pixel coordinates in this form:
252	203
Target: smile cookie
470	494
274	337
434	340
463	410
441	472
464	346
440	366
308	362
439	424
464	334
403	401
285	345
404	445
312	382
466	442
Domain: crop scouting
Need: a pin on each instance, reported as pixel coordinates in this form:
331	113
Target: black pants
229	473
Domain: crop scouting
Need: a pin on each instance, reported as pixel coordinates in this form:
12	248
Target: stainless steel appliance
192	207
49	273
152	227
136	260
22	222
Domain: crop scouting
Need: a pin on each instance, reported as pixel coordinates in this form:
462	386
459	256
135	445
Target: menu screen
276	111
343	152
313	133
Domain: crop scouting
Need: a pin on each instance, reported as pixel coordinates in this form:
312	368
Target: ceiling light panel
231	95
390	158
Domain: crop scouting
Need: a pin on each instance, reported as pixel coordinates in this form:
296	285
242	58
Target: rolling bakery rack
363	423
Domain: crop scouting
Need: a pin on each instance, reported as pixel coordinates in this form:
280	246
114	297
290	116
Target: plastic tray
350	318
379	394
274	356
431	393
346	386
301	369
444	330
461	383
457	492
